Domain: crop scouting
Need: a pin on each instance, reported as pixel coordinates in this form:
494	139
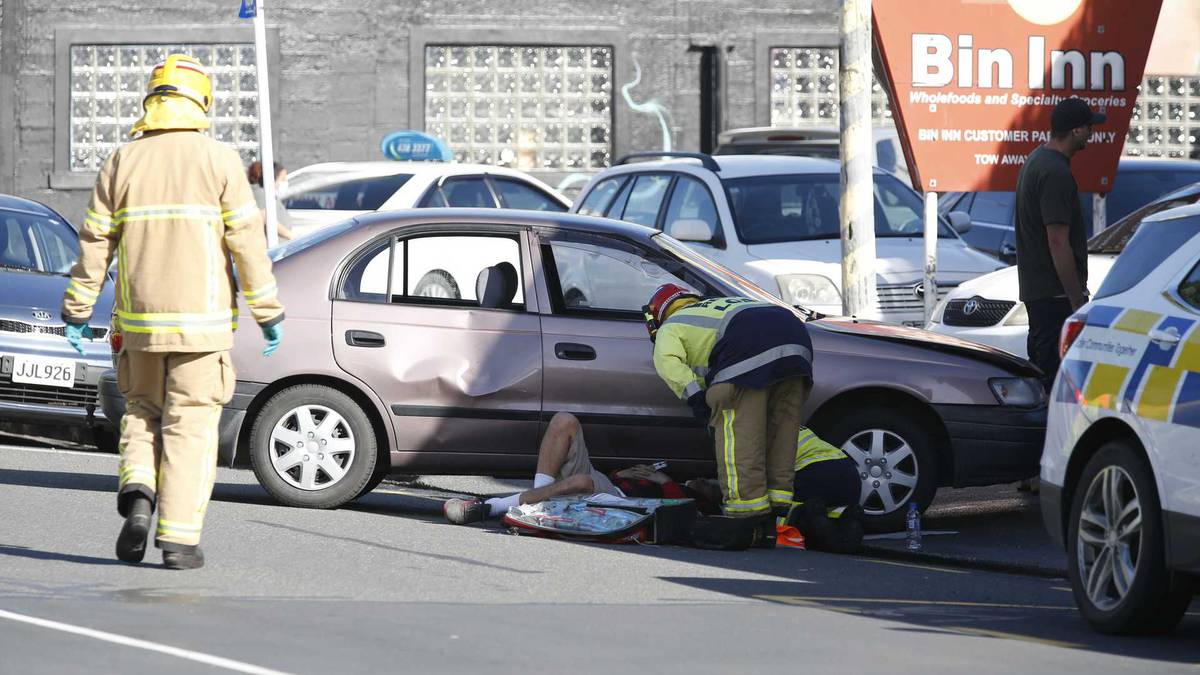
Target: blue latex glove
273	335
76	332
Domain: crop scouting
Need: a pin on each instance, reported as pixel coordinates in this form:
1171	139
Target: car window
1189	289
1151	244
1114	239
596	200
1133	189
986	237
645	199
606	279
796	207
359	194
449	270
517	195
954	201
992	207
469	192
37	242
365	280
691	200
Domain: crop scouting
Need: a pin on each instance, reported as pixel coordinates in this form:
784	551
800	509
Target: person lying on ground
565	468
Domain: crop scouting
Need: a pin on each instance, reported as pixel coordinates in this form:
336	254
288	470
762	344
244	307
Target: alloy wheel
312	447
1109	541
887	466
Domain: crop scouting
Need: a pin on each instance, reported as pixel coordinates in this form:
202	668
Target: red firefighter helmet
656	311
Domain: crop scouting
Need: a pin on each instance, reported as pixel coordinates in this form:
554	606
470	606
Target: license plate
44	371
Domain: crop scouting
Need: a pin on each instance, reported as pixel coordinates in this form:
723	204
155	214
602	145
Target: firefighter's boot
131	543
183	559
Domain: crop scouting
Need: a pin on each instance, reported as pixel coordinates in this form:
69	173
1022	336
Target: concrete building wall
344	74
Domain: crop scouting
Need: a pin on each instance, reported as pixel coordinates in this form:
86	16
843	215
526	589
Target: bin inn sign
973	82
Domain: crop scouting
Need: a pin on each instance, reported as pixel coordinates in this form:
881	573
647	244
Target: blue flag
249	9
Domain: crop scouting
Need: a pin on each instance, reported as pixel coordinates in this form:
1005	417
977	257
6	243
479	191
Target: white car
886	151
1120	477
774	220
988	309
322	194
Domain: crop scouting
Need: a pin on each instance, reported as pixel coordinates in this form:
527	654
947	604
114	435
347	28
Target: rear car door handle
364	338
1168	337
572	351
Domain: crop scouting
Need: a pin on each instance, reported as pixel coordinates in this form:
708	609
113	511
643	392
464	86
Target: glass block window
527	107
804	89
1166	118
108	83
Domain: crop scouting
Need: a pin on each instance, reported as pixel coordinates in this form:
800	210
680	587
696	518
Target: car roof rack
706	160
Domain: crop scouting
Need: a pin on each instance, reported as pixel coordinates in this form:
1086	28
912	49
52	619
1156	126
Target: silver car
374	377
46	388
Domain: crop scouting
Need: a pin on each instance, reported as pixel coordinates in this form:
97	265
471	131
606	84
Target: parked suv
1138	182
1120	481
774	220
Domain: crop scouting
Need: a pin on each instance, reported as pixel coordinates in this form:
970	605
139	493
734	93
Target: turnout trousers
755	434
168	442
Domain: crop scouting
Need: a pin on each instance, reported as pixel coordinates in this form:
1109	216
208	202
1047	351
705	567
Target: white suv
1120	477
774	219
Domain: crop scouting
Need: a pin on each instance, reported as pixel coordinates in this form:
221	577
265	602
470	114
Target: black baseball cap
1074	112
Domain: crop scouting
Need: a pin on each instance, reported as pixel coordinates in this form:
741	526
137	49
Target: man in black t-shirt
1051	240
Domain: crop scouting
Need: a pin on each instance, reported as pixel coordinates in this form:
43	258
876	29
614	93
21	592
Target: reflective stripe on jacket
746	342
175	209
810	449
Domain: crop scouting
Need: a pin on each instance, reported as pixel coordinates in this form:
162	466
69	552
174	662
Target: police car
1121	465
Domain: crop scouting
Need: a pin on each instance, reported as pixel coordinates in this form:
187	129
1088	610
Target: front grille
902	297
983	313
80	396
10	326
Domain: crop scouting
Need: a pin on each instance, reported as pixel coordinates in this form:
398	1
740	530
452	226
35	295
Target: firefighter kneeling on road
174	206
746	367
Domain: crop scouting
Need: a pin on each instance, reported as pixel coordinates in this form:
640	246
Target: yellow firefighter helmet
182	75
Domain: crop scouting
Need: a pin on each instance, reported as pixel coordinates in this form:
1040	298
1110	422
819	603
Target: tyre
312	446
1116	549
437	284
376	479
896	460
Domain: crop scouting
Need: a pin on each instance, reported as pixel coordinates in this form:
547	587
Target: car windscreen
741	286
1134	189
1153	242
366	193
37	243
797	207
1113	240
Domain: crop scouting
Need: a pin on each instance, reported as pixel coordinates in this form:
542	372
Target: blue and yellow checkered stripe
1164	383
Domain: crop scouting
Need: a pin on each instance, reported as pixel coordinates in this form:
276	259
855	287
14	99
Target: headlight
808	289
1025	392
1019	316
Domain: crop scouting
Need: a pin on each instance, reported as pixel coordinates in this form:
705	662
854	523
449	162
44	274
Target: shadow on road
26	552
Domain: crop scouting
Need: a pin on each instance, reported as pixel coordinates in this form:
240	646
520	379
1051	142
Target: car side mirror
691	229
960	221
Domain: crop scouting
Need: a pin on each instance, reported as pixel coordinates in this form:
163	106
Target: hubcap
312	447
1109	543
888	468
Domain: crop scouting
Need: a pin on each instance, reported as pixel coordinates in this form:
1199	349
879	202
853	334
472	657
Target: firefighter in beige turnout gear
175	208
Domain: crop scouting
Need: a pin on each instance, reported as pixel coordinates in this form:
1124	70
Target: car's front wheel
896	459
1116	553
312	446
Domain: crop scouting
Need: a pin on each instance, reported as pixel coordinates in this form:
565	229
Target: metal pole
931	241
857	207
1099	212
264	121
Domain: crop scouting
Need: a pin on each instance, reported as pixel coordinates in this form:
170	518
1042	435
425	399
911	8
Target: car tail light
115	340
1070	330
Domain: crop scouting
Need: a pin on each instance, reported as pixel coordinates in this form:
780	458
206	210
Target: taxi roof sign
415	146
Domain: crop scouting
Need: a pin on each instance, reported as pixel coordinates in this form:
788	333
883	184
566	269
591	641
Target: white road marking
199	657
56	451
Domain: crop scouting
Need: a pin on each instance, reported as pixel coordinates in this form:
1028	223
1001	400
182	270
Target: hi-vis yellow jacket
176	209
810	449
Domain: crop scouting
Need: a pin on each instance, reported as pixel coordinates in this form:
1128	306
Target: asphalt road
385	585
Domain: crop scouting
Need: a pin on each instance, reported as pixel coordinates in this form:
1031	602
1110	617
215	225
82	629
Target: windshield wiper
21	268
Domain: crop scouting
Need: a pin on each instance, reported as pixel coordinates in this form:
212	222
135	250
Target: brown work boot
184	560
465	511
131	542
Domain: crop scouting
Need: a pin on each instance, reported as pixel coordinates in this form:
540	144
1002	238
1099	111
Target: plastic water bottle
913	526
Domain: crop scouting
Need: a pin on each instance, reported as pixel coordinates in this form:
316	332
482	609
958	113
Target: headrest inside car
496	286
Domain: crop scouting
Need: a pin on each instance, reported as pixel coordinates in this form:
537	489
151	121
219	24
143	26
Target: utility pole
857	207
